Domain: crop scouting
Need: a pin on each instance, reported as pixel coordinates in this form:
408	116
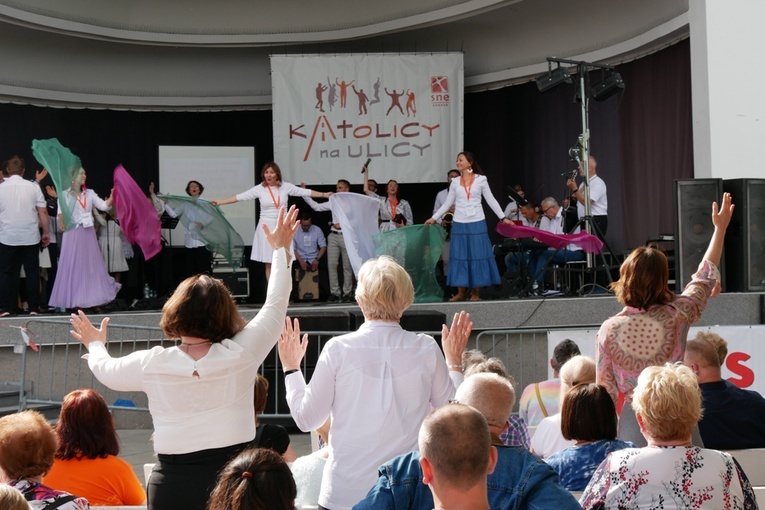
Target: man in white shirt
22	214
598	198
440	199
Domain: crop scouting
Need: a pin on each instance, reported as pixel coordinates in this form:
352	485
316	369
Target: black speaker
693	226
745	238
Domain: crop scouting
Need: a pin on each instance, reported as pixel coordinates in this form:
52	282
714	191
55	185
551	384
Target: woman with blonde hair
376	383
548	437
653	326
670	472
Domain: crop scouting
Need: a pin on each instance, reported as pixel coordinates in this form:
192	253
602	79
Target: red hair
85	427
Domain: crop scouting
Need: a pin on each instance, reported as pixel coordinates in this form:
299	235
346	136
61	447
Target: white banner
745	346
332	113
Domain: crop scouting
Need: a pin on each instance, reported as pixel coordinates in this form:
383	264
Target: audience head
490	394
27	446
11	498
588	414
85	427
384	290
577	370
202	307
703	359
256	479
717	342
667	402
261	394
643	279
455	448
563	352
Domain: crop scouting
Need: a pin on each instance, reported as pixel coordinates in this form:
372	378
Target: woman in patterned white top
653	326
391	205
670	473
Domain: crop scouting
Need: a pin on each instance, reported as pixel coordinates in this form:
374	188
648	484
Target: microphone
366	165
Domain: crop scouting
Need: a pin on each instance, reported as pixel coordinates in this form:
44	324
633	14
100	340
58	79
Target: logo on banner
439	90
352	120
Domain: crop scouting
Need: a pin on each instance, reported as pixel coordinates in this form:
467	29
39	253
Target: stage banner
333	113
743	366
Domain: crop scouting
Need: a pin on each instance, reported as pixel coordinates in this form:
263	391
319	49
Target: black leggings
187	480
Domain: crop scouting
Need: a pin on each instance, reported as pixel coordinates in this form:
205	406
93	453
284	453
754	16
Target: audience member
377	407
517	433
201	391
11	499
653	326
456	456
520	479
669	473
542	399
733	417
256	479
22	213
308	470
588	417
548	437
27	446
268	435
86	458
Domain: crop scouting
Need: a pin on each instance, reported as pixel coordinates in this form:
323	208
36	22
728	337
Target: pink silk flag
587	242
137	215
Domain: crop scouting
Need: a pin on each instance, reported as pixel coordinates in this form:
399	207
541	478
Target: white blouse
469	209
215	408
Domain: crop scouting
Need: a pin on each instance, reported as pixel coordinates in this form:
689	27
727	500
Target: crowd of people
411	424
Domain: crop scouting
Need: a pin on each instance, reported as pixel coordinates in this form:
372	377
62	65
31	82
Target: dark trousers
602	223
11	260
186	481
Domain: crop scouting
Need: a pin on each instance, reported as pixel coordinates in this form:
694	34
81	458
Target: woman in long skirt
82	280
471	259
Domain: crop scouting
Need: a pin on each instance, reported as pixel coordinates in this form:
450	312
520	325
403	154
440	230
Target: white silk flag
333	113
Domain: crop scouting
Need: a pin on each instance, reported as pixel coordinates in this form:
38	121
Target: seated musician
531	218
556	224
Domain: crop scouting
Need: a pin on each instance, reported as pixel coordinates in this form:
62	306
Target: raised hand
286	227
291	347
455	339
84	331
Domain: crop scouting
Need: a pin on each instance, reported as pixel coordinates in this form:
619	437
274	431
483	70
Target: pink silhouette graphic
320	89
394	100
410	105
343	91
362	100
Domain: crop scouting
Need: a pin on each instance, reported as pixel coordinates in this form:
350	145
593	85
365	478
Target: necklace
198	343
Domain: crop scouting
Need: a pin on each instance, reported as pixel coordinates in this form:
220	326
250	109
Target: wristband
288	372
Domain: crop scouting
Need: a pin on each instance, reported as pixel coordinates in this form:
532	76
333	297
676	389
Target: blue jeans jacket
520	481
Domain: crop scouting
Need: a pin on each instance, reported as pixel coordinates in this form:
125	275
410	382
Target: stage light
552	78
607	87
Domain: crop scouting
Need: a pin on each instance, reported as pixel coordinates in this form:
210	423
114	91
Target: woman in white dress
390	205
272	194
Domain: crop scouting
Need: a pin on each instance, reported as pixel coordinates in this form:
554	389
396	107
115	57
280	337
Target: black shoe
334	298
348	299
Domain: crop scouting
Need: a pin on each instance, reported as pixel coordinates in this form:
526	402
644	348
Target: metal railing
57	367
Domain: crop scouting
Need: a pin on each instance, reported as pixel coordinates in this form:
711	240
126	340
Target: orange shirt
110	481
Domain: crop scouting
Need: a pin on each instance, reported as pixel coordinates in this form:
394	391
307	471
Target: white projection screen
223	171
